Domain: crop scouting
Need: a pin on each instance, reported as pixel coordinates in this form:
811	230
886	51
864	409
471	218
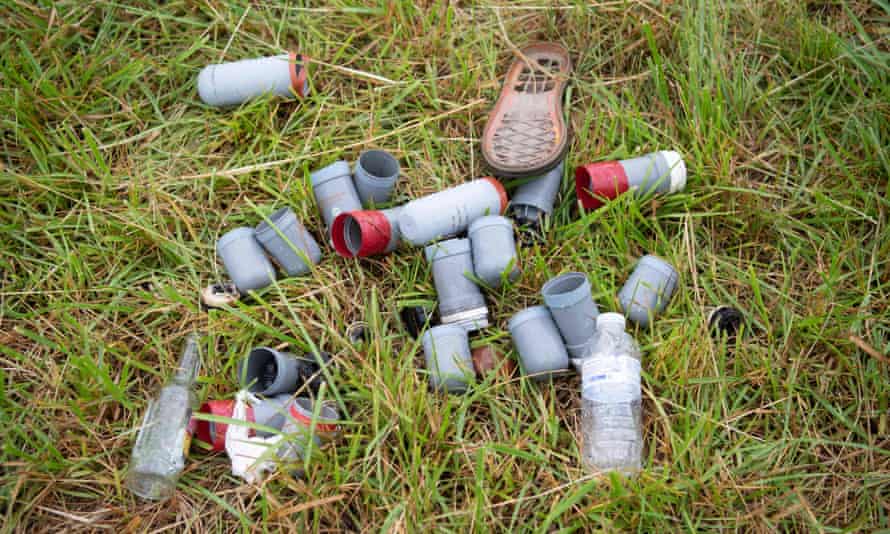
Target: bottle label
186	443
610	379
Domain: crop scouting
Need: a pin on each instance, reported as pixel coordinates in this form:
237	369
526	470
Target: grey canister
460	300
534	198
569	300
494	250
266	371
288	241
334	191
375	175
648	289
244	260
661	172
538	342
449	212
230	84
271	412
448	359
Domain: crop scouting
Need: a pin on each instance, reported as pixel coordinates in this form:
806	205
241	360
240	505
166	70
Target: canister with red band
230	84
271	412
303	418
658	172
366	232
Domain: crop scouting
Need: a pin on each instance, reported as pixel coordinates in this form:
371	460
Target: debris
725	320
251	457
220	294
270	412
659	172
485	360
460	299
230	84
538	342
288	242
266	371
244	260
375	175
450	212
415	319
448	359
648	289
366	232
611	411
494	250
568	297
358	332
535	197
334	192
526	133
162	443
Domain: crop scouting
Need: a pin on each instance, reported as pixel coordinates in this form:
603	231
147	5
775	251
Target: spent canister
460	300
494	250
660	172
230	84
450	212
648	289
538	342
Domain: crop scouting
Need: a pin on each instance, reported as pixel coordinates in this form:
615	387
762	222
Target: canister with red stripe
366	232
658	172
271	412
230	84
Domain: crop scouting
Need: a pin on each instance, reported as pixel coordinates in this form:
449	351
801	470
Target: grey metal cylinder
494	250
569	300
661	172
244	259
334	191
271	412
648	289
538	342
288	241
266	371
229	84
460	300
451	211
306	417
448	358
534	199
375	175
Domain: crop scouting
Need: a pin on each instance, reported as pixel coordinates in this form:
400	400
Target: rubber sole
526	134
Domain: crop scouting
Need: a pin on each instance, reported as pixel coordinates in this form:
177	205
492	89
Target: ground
116	181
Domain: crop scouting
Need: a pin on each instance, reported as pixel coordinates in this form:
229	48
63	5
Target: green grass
115	183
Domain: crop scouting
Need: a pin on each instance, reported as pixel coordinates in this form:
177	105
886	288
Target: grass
115	182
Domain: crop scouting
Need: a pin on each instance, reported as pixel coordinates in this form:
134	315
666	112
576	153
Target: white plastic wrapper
252	457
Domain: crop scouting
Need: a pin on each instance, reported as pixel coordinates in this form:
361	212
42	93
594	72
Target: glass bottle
162	444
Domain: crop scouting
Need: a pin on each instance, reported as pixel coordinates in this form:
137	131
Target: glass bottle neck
189	361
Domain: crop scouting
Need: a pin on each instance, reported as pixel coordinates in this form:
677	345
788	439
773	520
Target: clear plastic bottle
611	410
162	443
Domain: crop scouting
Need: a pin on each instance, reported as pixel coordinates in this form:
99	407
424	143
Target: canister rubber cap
678	169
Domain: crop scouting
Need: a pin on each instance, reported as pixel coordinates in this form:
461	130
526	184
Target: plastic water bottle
611	411
162	443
